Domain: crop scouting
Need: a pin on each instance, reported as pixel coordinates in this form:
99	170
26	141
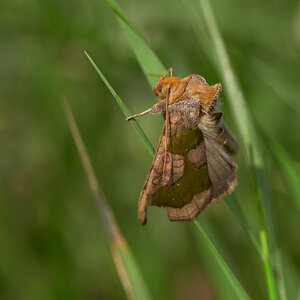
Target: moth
192	166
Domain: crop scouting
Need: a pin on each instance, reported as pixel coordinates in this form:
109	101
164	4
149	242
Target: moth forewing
230	144
191	167
184	188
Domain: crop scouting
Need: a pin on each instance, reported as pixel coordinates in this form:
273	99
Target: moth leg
170	70
155	109
167	129
137	115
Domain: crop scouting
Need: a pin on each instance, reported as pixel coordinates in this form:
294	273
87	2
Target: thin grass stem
240	111
128	272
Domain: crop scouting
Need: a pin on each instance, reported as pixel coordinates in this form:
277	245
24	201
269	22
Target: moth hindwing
191	167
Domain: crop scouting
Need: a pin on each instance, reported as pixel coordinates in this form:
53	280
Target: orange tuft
171	80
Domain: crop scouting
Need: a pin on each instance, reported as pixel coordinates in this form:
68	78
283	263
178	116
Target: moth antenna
166	130
137	115
154	74
170	70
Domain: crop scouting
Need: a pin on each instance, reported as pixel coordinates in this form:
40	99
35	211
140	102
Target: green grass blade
241	293
124	109
126	266
148	60
140	289
238	104
288	166
239	108
278	84
198	26
236	210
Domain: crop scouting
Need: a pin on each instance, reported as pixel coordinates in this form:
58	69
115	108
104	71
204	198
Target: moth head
163	85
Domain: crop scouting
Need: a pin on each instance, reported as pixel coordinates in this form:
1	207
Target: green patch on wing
184	140
194	180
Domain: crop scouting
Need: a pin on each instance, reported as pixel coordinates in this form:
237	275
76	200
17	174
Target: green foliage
52	244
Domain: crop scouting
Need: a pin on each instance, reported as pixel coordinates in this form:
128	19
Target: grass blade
124	109
148	60
291	173
288	166
127	269
198	26
236	210
278	84
237	101
239	108
241	293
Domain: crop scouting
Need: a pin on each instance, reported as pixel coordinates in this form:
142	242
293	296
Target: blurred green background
52	245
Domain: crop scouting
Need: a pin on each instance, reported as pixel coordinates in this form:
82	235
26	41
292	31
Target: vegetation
52	243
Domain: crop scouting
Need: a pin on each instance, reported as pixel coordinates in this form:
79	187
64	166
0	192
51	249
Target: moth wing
191	210
150	187
183	188
230	144
221	168
198	170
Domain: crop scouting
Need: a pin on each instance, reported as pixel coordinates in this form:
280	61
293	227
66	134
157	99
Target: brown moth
192	166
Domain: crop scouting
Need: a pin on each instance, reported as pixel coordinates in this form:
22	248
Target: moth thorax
188	111
170	81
